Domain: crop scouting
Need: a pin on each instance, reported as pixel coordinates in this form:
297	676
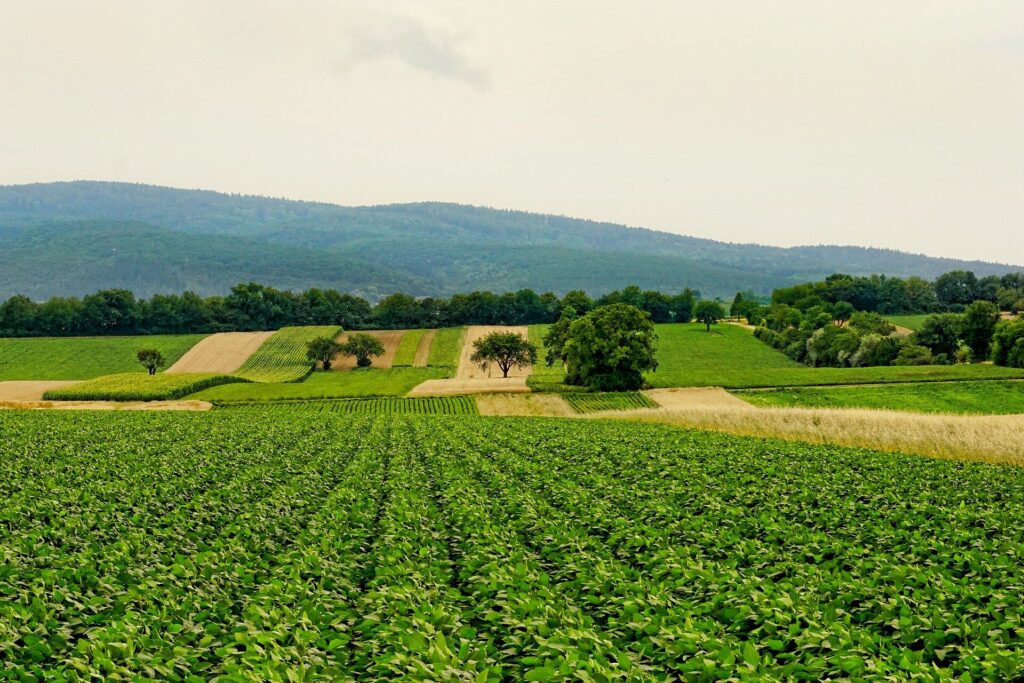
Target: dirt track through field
107	405
30	390
470	370
422	357
223	352
389	339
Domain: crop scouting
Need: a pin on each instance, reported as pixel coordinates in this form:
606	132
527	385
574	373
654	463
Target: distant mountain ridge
72	238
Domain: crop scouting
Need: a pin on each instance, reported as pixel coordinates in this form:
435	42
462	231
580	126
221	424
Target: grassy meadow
447	346
406	353
911	322
67	358
967	398
360	382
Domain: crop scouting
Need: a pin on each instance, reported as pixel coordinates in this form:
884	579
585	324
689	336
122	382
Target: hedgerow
269	544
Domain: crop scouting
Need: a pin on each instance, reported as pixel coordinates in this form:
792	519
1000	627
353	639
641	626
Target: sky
894	124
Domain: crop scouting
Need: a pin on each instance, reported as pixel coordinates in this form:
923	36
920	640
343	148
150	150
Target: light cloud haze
896	124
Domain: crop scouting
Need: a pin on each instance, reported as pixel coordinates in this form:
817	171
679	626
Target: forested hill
74	238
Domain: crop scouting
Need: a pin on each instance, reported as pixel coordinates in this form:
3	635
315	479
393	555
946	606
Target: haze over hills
76	237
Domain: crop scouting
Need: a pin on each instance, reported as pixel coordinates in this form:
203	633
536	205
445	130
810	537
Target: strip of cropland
389	339
472	548
358	383
282	357
73	358
224	353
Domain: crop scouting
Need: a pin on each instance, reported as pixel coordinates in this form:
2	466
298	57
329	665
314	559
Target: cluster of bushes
835	336
950	292
253	306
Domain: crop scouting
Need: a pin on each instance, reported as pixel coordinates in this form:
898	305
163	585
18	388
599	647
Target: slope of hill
73	238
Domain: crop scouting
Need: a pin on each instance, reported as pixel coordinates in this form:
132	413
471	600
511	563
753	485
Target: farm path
389	339
27	390
422	357
223	352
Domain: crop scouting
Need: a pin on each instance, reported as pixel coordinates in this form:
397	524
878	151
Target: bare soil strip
461	387
223	353
389	339
547	405
470	370
106	405
423	350
30	390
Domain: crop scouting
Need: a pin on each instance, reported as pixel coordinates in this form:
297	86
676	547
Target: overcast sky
884	123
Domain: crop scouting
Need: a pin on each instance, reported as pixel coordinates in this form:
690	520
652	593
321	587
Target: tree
1008	344
940	333
151	359
979	323
322	350
708	312
956	288
913	355
682	304
736	310
362	346
610	348
558	333
841	312
507	350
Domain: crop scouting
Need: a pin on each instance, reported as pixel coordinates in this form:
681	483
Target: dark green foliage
914	355
151	359
363	347
1008	344
979	323
610	348
507	350
708	313
941	333
322	350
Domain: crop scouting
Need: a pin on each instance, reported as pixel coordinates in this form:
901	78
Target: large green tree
979	323
708	313
940	333
507	350
610	348
363	346
322	350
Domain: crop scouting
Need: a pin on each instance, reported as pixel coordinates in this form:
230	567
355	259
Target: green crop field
407	348
63	358
444	352
729	356
269	544
440	405
139	387
911	322
363	382
282	358
591	403
971	398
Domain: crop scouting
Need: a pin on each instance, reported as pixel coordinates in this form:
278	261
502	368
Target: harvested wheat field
545	405
986	438
422	357
460	387
470	370
685	398
27	390
389	339
107	405
222	353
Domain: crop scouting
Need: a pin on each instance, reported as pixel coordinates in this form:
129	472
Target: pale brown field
27	390
223	353
460	387
389	339
422	357
542	405
107	405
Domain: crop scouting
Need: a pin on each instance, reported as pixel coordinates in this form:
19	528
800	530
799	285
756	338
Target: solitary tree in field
362	346
507	350
151	359
708	312
610	348
322	350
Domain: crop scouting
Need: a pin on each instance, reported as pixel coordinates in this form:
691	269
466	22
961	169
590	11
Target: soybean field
263	543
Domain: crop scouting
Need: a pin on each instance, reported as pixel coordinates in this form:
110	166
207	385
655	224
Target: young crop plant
585	402
441	405
136	386
283	357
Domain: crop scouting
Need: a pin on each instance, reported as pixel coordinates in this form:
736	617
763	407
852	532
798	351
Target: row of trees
951	292
253	306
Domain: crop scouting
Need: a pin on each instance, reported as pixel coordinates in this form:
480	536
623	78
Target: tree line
253	306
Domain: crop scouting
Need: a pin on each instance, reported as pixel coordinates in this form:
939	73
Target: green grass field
363	382
60	358
970	398
139	387
407	348
583	402
544	378
911	322
282	358
439	405
270	544
444	352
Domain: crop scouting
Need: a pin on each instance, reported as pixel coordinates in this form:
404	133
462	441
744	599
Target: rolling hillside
154	239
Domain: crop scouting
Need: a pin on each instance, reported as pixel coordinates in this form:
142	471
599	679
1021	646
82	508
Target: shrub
1008	344
914	354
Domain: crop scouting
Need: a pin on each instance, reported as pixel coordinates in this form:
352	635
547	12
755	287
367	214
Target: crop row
137	386
444	405
583	402
272	543
282	357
